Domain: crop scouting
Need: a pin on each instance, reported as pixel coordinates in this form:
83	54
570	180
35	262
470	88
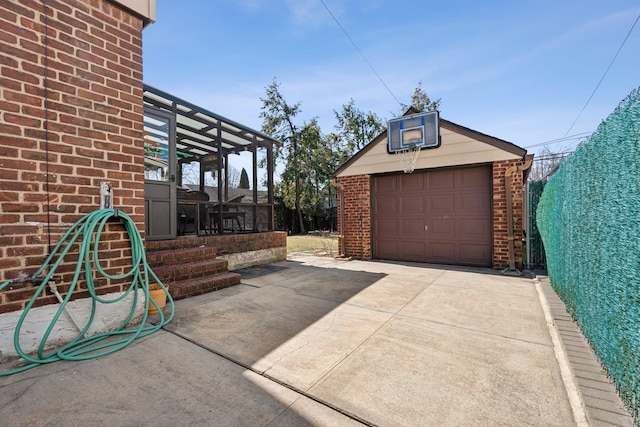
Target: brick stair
189	269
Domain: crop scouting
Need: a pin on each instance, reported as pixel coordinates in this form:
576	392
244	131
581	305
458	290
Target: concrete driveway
317	341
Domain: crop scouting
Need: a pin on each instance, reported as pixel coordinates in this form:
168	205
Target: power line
563	139
359	51
552	156
603	76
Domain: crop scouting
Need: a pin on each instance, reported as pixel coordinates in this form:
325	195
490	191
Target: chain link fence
536	258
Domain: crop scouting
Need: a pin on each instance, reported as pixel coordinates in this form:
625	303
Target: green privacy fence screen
535	249
589	219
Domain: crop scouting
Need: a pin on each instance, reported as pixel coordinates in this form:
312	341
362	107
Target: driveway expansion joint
265	375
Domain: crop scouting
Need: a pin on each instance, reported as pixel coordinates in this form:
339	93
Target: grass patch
313	245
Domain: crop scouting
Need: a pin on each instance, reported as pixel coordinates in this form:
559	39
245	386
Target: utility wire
604	75
360	52
552	156
563	139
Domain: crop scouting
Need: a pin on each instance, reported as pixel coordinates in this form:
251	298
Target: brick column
357	216
500	236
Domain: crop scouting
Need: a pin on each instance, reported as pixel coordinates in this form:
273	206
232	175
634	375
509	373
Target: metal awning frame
209	138
198	129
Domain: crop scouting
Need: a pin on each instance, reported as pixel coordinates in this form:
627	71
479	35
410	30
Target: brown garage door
438	216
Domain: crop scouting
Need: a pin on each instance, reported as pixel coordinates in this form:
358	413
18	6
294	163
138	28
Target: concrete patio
318	341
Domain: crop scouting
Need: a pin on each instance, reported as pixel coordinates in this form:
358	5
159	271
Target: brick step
191	287
188	266
190	270
184	255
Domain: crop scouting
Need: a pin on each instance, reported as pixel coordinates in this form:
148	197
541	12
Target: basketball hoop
408	157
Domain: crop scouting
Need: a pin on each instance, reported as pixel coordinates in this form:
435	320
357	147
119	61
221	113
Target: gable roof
487	139
444	124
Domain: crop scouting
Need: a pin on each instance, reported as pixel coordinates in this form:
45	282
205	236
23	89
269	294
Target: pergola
208	138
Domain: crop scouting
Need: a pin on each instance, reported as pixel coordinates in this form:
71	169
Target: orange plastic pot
160	297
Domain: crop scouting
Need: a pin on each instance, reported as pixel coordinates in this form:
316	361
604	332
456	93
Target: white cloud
302	13
308	13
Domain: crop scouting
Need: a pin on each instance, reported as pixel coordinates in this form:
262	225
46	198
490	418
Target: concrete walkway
316	341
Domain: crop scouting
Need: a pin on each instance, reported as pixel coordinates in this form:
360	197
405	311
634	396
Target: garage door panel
455	204
441	229
413	228
387	228
388	185
387	208
442	252
472	202
474	254
441	204
387	249
472	178
412	204
441	180
472	230
412	182
413	251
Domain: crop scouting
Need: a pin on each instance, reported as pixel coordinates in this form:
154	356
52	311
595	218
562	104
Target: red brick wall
228	244
500	236
357	216
70	117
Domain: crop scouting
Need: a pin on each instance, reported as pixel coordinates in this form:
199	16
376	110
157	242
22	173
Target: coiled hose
88	231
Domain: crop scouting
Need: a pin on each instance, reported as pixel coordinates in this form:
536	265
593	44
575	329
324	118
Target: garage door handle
426	227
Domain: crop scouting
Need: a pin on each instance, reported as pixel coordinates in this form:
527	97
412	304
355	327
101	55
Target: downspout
340	189
510	237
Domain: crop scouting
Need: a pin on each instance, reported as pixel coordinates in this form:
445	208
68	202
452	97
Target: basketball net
408	157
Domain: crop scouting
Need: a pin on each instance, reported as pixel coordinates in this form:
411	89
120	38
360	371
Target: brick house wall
71	117
357	215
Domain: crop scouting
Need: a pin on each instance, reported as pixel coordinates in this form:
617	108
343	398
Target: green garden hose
88	231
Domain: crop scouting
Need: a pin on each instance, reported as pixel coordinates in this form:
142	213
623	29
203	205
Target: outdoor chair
188	211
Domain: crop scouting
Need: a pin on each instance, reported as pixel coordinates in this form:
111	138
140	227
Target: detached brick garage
451	210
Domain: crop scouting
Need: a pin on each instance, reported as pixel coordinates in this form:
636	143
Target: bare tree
190	173
234	177
545	163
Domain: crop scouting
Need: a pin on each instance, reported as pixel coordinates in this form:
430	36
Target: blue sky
517	70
